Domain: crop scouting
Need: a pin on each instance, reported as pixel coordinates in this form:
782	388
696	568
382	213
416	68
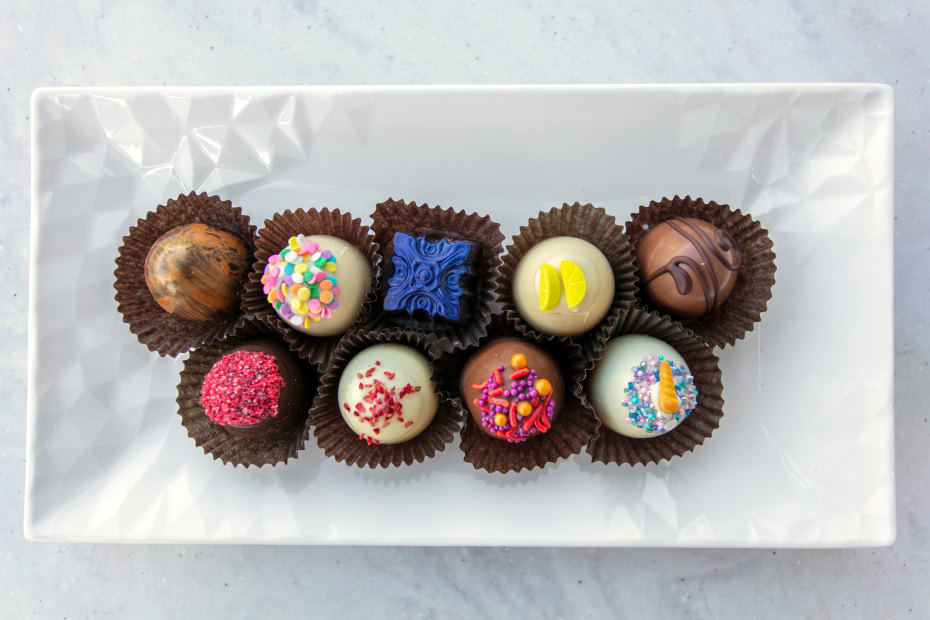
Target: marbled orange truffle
196	271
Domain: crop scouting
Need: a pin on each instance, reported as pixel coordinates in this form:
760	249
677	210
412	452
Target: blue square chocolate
428	276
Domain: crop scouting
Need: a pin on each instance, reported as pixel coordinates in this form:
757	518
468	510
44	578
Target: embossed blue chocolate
428	276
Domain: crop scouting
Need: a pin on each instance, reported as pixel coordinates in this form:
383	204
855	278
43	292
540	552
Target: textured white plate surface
804	454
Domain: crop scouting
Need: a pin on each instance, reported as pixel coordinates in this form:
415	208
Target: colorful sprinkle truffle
317	284
642	387
429	276
513	389
386	394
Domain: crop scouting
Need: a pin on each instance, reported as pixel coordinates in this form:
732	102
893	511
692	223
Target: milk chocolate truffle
563	286
196	271
256	390
688	266
386	394
641	387
513	389
317	284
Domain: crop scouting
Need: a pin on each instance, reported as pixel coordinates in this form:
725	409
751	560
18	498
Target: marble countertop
206	43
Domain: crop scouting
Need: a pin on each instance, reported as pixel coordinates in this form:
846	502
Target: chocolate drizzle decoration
702	252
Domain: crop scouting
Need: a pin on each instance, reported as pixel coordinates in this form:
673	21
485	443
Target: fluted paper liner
612	447
394	216
161	331
273	237
755	278
340	442
573	427
212	437
595	226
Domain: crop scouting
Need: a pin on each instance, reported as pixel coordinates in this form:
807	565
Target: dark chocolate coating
498	353
688	267
196	271
294	399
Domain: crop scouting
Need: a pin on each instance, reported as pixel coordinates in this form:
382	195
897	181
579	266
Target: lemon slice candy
549	287
574	282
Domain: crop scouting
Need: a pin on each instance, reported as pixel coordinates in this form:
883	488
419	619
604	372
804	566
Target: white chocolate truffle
317	284
563	286
386	394
624	387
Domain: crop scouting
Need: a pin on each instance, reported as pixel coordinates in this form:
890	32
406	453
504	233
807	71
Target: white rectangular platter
804	453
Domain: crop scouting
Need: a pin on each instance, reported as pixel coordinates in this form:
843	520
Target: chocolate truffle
196	271
429	276
317	283
256	390
386	394
512	388
641	387
688	267
563	286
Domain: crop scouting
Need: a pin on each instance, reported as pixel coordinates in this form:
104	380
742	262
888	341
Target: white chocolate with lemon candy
559	318
386	394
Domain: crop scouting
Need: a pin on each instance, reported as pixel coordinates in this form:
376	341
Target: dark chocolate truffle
196	271
512	388
256	390
688	266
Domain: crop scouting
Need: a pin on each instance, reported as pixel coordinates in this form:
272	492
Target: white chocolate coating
612	374
409	367
562	320
353	275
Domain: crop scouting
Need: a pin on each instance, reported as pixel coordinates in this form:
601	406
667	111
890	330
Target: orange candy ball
517	361
543	387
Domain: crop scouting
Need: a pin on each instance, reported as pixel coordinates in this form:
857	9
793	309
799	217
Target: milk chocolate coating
498	353
688	267
196	271
294	398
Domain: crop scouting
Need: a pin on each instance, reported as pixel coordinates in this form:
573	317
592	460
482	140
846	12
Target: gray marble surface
211	43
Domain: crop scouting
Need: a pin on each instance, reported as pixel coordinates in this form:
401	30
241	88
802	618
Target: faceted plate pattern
804	453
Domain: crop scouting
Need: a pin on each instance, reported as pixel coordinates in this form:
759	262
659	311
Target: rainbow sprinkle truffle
317	284
655	380
300	284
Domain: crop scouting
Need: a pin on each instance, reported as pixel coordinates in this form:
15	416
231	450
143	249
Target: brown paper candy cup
595	226
212	437
573	427
339	441
394	216
273	237
612	447
161	331
749	298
